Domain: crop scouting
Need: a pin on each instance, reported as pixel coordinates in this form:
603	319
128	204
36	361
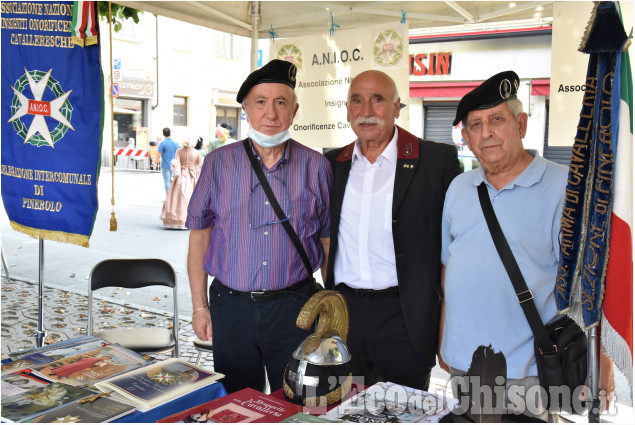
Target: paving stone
65	315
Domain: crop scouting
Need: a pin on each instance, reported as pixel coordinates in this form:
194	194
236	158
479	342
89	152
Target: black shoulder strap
523	294
276	207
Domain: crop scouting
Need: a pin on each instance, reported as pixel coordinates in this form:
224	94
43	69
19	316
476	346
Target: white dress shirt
365	255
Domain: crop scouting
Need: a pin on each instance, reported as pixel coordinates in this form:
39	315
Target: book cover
388	402
21	381
26	405
159	382
104	409
246	405
49	354
91	366
74	344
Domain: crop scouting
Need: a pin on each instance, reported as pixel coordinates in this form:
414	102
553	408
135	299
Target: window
229	46
180	110
231	116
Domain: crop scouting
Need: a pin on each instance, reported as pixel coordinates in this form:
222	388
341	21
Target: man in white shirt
386	205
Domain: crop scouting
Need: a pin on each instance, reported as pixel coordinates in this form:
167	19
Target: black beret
492	92
276	71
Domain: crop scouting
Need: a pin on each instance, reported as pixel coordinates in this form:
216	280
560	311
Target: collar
286	154
529	177
407	146
389	153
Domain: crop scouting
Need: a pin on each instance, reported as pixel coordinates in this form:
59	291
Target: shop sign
438	63
136	88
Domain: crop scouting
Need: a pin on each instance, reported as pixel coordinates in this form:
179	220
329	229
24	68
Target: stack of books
89	380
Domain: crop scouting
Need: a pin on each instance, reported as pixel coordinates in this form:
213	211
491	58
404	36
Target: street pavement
139	196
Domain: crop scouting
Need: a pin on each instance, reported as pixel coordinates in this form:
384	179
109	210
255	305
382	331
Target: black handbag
560	346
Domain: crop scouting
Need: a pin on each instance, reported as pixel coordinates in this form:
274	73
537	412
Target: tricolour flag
617	323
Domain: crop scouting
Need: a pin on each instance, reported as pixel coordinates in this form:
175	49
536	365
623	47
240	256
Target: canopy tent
293	18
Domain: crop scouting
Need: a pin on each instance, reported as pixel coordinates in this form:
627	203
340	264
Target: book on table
157	383
388	402
103	409
23	406
35	357
66	347
88	367
20	382
246	405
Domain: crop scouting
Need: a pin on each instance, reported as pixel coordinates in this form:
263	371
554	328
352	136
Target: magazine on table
103	409
246	405
155	384
65	348
34	358
26	405
88	367
21	381
388	402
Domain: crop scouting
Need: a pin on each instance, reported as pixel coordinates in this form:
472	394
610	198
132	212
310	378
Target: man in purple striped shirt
260	279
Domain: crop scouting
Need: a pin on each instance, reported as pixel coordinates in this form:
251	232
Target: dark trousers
251	336
378	340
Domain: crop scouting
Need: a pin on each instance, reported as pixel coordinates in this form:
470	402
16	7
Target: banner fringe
51	235
77	41
612	342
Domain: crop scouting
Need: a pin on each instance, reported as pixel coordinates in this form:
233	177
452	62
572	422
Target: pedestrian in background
167	148
186	168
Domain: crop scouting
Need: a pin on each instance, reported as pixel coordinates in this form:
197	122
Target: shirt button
266	233
264	263
266	202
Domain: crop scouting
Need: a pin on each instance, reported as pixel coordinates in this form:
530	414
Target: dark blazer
424	172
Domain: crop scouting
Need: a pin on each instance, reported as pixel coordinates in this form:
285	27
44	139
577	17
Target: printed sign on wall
326	66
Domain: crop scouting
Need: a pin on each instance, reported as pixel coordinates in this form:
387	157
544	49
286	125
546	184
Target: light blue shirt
480	303
167	148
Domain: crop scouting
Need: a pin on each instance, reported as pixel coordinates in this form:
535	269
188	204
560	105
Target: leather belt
272	295
371	293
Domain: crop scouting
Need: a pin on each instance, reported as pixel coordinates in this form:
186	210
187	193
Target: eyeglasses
261	213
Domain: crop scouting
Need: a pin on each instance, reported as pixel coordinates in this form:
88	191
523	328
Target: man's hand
202	324
201	318
443	365
607	383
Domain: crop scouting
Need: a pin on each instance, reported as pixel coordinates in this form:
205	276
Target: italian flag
617	321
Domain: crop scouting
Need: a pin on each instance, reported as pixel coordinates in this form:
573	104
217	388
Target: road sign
117	75
117	63
115	89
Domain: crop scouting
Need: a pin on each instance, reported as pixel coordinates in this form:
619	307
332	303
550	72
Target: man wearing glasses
261	279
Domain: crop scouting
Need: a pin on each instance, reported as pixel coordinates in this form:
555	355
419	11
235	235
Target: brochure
157	383
388	402
104	409
26	405
88	367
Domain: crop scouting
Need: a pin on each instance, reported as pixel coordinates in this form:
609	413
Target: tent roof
293	18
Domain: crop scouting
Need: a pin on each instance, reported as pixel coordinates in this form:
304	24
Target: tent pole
255	22
40	322
593	375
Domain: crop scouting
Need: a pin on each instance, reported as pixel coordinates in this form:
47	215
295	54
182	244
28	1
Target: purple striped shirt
245	252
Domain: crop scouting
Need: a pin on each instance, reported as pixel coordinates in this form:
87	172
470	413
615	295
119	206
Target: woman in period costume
186	168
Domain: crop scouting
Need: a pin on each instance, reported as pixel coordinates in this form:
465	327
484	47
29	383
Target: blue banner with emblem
52	119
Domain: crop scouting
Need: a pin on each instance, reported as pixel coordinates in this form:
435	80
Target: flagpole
40	321
593	374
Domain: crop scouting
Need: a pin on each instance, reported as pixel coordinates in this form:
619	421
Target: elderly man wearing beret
261	277
527	193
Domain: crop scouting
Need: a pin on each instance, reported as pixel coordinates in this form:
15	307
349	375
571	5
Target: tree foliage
119	13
